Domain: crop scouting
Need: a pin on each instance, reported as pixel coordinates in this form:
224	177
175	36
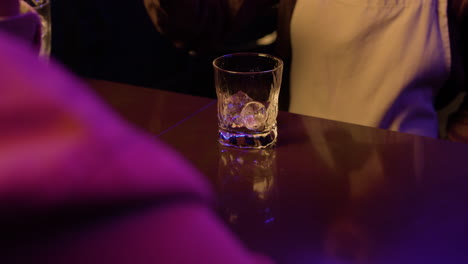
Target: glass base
245	140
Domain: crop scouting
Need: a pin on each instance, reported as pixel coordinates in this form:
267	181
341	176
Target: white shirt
377	63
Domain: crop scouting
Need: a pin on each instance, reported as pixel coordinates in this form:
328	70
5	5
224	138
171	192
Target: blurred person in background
380	63
78	185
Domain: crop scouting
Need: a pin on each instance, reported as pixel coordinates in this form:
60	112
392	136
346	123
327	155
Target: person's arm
194	24
203	25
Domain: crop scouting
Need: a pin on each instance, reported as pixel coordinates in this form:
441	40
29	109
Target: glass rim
253	54
42	4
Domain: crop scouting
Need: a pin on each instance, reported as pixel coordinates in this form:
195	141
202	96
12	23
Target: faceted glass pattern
247	87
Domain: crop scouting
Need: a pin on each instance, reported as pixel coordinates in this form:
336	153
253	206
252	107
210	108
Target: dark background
116	41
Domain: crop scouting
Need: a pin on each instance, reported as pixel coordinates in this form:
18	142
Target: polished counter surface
333	192
329	192
152	110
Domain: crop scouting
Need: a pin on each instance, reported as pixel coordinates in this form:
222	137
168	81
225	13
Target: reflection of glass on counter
347	241
247	184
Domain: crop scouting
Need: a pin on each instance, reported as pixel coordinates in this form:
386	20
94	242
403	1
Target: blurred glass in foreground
42	7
